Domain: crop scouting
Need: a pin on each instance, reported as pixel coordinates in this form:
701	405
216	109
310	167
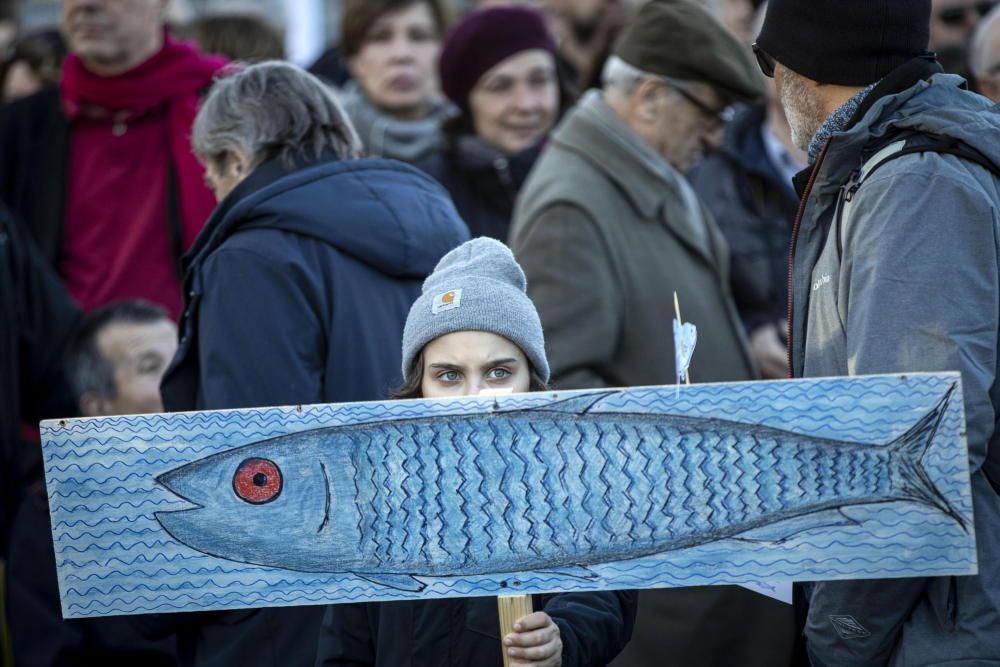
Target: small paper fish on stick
685	339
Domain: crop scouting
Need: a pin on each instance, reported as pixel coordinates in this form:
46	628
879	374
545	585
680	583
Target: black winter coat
297	291
594	628
40	637
482	181
34	158
37	319
754	207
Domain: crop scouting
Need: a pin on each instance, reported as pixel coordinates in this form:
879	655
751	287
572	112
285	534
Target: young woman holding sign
473	330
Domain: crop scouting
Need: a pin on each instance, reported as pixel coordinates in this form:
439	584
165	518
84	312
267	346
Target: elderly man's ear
647	99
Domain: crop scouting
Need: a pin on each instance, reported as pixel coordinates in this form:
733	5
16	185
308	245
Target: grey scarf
384	136
837	122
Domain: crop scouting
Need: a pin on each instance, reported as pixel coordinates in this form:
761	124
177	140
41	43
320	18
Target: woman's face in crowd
396	65
224	174
514	105
465	363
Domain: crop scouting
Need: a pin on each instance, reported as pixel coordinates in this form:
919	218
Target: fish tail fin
910	449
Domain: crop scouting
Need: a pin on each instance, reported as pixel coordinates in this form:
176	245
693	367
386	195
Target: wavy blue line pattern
114	558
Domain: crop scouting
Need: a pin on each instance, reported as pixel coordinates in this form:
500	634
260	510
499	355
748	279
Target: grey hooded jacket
915	286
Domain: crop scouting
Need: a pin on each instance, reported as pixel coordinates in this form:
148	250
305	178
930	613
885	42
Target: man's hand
535	642
770	353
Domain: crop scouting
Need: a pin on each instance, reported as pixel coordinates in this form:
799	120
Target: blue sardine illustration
554	488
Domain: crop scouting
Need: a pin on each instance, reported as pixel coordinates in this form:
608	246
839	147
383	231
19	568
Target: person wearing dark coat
498	66
492	340
99	169
297	292
747	186
37	320
114	364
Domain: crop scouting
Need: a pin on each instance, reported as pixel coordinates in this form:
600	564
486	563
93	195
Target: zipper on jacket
791	254
846	196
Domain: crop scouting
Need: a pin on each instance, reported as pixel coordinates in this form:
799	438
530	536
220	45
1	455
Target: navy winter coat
297	291
754	207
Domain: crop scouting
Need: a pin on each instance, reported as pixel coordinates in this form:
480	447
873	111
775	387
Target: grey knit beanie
478	286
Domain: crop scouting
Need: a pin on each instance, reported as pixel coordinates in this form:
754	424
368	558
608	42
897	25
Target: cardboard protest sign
556	491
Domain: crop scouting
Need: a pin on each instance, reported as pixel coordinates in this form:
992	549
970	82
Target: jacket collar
596	135
900	79
220	224
897	82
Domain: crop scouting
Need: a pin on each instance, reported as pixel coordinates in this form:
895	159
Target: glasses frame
716	117
765	61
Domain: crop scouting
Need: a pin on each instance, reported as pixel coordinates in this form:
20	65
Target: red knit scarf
175	77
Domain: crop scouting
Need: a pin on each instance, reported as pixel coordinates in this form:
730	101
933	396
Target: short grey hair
620	76
623	78
273	109
979	62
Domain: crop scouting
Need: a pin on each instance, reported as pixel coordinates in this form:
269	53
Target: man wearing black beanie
895	268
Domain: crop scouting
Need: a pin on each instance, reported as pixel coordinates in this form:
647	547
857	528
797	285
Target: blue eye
448	376
499	374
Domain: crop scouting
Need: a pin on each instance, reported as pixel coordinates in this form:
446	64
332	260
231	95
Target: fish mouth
173	481
326	508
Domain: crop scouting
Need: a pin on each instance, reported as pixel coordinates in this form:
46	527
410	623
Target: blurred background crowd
91	292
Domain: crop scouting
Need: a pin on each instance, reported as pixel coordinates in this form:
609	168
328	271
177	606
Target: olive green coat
607	231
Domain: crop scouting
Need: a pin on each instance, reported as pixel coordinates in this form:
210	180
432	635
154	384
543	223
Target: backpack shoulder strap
914	143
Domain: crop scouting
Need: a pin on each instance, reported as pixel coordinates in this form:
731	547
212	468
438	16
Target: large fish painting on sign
636	488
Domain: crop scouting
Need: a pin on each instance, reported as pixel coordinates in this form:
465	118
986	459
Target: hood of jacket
384	213
939	105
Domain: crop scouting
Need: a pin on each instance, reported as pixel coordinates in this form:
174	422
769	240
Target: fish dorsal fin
575	405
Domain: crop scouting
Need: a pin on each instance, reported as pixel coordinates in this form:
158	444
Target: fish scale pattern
103	497
491	473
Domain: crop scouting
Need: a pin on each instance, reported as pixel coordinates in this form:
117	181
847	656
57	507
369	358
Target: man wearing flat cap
896	268
607	229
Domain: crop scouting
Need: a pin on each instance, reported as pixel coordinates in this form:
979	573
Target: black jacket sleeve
594	627
46	320
346	638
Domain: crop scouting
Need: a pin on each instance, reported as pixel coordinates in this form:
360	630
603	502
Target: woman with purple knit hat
498	66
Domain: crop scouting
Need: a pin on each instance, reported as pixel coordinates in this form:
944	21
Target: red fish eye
257	481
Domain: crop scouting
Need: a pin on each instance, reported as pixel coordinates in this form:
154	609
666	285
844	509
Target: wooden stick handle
511	608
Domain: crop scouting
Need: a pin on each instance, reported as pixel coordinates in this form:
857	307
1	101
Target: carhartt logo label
447	301
823	280
848	627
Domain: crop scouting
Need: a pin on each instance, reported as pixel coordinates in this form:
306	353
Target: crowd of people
190	222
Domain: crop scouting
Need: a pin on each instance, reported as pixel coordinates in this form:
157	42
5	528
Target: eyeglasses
955	16
716	118
765	61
